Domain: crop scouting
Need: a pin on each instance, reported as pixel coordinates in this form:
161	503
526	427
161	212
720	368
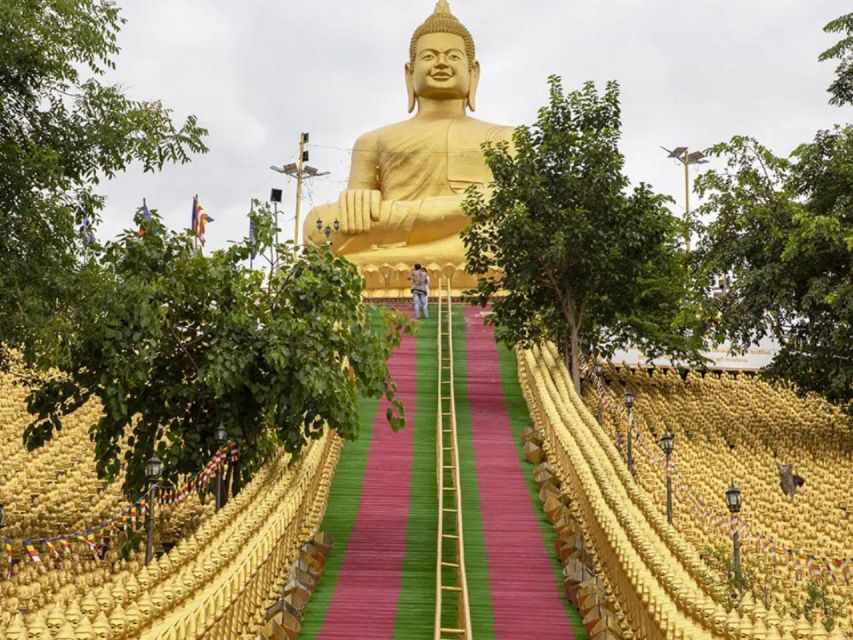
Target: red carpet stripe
524	597
365	599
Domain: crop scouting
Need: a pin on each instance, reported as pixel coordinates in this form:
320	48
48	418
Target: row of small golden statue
765	425
661	582
127	599
284	617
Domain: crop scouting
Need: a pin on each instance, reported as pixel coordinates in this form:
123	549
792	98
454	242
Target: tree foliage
61	131
174	343
841	89
782	233
582	259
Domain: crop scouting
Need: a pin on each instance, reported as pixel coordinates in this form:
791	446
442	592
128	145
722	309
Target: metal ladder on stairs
452	610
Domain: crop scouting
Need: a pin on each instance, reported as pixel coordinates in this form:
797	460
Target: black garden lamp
629	452
666	445
599	373
153	471
220	434
734	503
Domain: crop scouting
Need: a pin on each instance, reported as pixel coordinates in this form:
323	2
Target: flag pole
195	221
251	234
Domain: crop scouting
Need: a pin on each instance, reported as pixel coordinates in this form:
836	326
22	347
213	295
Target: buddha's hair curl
444	23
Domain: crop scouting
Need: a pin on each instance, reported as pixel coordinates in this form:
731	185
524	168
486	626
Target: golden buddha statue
402	203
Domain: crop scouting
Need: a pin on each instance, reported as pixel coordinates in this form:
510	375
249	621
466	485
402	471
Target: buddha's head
442	62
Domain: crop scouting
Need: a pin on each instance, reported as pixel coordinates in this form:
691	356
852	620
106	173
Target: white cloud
259	72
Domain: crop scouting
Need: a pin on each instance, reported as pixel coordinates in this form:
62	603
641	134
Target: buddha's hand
359	208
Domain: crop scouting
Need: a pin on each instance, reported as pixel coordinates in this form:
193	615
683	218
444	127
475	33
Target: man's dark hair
417	266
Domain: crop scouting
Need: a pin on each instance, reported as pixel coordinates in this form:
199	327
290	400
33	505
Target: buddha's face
441	70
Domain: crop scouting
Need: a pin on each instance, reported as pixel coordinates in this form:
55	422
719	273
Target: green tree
782	234
582	260
61	131
841	89
174	343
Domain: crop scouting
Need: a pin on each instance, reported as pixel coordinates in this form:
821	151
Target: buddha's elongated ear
410	86
475	82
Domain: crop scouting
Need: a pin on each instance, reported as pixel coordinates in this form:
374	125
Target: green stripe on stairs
476	562
416	605
519	417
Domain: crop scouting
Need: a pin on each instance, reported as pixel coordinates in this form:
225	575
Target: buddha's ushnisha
407	180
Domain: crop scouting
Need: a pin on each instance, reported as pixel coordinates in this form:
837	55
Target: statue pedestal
384	281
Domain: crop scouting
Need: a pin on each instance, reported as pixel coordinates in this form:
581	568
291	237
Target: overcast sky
258	72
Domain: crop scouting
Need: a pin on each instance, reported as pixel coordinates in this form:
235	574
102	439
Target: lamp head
153	468
220	435
733	499
2	515
629	398
666	443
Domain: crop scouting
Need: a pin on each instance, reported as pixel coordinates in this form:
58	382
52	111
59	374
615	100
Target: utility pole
697	157
299	170
303	157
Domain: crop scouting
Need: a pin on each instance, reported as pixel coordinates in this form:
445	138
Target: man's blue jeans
420	299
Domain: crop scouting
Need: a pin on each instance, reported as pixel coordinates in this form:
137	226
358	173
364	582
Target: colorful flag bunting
32	551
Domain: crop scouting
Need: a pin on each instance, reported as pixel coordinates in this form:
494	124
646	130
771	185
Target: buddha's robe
422	167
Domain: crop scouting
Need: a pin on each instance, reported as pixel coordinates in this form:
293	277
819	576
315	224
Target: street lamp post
300	171
666	445
697	157
153	469
734	503
221	436
629	451
327	231
599	373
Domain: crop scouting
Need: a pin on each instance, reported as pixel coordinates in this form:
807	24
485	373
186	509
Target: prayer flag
31	550
203	219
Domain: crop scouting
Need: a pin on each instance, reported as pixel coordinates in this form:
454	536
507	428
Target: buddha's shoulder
486	130
373	139
468	127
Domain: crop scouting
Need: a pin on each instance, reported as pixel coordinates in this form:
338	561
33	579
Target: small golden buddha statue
101	627
66	632
407	180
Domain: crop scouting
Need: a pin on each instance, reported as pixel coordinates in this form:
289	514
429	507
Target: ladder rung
452	565
450	588
450	535
451	630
